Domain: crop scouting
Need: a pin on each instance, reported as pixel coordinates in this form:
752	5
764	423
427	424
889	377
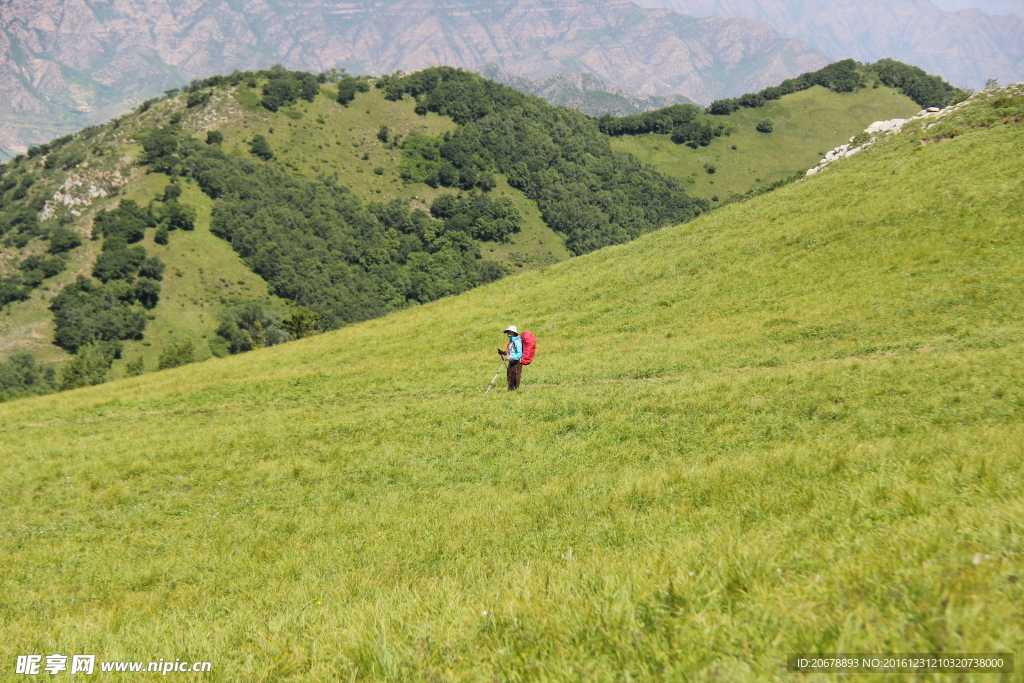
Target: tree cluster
252	325
21	376
557	156
686	123
86	312
849	76
348	86
915	83
451	160
317	245
842	76
288	87
478	215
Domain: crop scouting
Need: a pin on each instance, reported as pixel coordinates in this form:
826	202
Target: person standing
513	353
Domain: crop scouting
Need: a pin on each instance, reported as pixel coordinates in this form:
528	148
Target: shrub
152	268
302	322
214	137
135	367
179	352
62	240
119	263
89	366
147	292
197	99
180	216
172	192
255	324
261	148
20	376
765	126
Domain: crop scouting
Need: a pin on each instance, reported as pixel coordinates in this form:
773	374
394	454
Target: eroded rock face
123	51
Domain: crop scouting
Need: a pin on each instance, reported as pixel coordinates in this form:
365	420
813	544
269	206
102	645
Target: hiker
520	351
513	353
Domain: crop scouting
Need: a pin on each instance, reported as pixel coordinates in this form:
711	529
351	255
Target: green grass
807	125
791	425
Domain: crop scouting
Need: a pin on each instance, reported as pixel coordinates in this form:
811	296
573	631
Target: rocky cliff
966	47
64	63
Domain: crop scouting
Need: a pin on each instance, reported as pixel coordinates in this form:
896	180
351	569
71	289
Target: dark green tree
261	148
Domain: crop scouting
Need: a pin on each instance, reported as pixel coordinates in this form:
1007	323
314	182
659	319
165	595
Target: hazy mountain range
967	46
64	63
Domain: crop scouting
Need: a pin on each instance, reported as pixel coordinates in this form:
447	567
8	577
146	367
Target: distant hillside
583	91
794	424
748	144
66	64
966	46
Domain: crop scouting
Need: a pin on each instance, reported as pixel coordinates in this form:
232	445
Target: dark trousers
515	374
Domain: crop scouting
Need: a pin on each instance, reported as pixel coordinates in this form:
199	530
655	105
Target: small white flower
977	558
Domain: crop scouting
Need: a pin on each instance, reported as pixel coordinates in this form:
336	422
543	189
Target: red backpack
529	347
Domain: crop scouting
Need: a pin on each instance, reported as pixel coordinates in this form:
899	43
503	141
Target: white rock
891	124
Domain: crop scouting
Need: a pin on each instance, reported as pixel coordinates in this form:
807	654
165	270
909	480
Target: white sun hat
513	329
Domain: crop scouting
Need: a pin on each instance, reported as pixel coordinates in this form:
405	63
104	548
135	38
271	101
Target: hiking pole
495	376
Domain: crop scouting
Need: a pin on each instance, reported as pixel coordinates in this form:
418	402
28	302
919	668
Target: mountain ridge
966	45
64	64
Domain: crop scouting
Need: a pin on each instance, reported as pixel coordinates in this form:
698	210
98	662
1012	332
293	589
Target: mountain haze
66	63
967	46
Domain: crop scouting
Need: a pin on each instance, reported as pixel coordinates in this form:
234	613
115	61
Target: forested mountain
259	207
69	63
966	45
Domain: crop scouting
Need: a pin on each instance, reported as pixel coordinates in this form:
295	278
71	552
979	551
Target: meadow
791	425
807	124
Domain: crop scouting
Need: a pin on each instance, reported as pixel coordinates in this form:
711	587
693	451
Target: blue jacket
515	348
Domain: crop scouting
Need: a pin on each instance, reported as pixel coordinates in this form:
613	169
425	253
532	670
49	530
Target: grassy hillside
318	139
807	124
791	425
322	138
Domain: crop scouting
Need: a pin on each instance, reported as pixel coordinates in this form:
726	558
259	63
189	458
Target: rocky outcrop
966	46
881	129
65	63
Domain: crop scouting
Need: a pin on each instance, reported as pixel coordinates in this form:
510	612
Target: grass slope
807	125
791	425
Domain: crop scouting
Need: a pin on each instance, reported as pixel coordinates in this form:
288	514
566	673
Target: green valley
792	424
